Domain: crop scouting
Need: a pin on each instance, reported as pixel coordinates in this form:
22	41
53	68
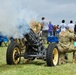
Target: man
50	30
44	25
65	45
63	26
71	25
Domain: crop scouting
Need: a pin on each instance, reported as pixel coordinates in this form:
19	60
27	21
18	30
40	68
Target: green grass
36	67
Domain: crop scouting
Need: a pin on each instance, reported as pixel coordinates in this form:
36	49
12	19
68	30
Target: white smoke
14	20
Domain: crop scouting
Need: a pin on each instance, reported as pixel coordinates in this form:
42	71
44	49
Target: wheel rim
16	53
55	56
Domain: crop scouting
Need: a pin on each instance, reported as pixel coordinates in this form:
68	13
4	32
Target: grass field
36	67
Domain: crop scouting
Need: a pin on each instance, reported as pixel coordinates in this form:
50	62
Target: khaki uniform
36	26
66	41
66	44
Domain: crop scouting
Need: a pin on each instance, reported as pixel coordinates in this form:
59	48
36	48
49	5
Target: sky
54	10
13	12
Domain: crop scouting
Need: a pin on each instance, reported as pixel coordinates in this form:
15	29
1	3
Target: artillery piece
31	47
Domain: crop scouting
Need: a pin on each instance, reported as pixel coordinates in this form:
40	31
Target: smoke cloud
14	19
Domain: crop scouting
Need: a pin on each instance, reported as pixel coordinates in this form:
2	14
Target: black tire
12	54
52	55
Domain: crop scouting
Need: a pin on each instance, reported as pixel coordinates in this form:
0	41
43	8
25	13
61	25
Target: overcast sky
52	10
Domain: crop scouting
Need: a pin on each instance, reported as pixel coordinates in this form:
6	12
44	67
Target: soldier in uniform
35	26
65	44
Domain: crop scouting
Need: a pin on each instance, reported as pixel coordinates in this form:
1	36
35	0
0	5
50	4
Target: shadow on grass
34	62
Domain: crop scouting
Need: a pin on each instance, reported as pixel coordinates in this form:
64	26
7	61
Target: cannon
31	47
